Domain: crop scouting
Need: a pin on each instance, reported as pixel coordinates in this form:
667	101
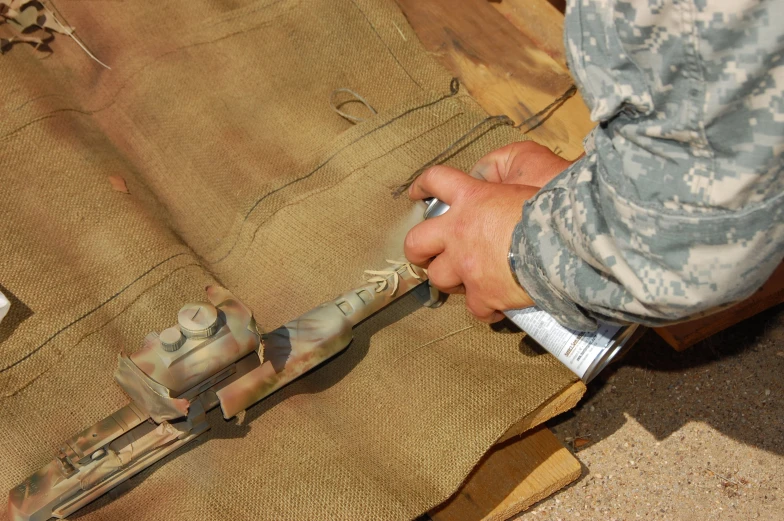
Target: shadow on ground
731	381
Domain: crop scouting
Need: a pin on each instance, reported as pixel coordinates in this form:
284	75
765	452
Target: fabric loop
336	105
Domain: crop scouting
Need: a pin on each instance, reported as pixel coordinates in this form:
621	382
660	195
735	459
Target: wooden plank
526	465
502	68
682	336
540	21
512	477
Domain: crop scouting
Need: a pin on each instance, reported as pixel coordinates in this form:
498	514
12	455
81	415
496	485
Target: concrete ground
692	435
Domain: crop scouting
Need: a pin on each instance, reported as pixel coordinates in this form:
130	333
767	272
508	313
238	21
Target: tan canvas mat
217	117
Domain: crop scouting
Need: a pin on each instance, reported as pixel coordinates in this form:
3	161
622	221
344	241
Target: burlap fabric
217	116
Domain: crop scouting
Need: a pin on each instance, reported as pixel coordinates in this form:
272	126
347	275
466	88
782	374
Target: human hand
524	162
471	241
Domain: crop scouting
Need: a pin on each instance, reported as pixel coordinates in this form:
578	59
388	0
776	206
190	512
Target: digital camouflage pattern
213	357
676	208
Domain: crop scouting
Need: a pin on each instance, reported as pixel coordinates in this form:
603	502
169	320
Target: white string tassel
382	277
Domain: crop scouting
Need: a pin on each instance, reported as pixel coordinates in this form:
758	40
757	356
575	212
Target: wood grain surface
512	477
503	67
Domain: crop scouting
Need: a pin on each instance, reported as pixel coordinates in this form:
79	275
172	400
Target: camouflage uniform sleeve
676	209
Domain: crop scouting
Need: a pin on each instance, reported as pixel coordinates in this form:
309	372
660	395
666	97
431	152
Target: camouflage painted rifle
213	357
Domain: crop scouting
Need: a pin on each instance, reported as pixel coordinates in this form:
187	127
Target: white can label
577	350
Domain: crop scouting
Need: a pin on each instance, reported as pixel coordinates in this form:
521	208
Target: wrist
512	260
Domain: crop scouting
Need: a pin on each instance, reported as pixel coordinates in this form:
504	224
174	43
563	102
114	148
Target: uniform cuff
528	266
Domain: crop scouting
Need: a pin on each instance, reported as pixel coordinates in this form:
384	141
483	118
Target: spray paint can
584	353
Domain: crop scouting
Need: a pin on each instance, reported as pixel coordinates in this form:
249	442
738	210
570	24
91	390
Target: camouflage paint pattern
151	396
309	340
223	362
159	380
676	209
201	356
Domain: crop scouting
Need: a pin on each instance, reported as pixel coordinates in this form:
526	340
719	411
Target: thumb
521	163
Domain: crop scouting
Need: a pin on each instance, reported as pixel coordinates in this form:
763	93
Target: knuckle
411	241
469	263
468	192
437	280
432	174
471	309
440	276
460	229
473	305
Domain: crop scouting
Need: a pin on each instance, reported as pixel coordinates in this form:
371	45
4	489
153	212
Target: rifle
213	357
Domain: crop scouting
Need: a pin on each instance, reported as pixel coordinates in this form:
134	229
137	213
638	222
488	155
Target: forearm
677	207
585	253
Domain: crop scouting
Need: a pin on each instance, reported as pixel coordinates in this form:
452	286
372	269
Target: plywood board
512	477
540	21
502	68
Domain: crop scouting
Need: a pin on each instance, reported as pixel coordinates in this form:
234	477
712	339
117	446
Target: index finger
441	182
